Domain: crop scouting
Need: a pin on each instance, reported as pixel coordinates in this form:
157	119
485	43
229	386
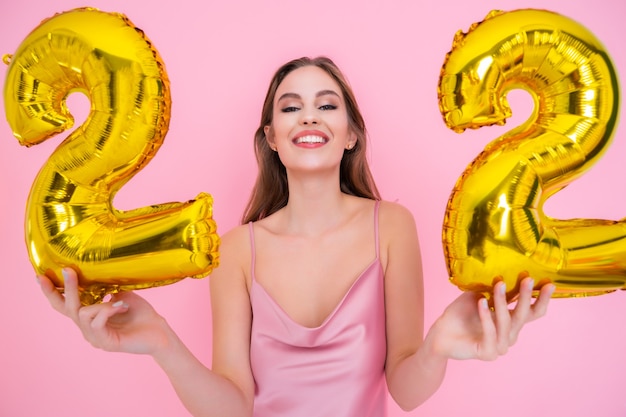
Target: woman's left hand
469	329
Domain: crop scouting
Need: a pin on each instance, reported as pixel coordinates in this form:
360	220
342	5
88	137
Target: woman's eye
328	107
289	109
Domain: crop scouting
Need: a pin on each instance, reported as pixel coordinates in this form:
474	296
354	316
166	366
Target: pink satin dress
334	370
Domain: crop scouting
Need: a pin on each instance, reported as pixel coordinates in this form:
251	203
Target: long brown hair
271	192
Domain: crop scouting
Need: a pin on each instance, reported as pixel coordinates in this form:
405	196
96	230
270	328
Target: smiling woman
312	119
270	192
318	302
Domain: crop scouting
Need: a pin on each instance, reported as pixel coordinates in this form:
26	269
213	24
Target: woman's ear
352	141
269	137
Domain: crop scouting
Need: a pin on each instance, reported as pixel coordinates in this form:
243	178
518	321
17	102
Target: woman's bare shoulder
234	249
395	216
236	236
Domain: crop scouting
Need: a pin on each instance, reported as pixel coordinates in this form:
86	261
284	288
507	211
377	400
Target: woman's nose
309	118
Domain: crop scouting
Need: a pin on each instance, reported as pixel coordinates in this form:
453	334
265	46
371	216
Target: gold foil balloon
70	220
495	227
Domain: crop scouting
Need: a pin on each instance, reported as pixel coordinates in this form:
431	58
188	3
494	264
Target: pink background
220	57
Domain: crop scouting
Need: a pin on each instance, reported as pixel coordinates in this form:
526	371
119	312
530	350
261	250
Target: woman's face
310	128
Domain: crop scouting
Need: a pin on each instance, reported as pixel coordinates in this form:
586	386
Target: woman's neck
316	205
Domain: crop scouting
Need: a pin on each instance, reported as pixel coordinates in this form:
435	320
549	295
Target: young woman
318	300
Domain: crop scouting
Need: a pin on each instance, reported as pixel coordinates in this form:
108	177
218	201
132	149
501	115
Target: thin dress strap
376	205
253	249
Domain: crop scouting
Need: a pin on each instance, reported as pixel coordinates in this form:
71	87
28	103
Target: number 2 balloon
70	220
494	226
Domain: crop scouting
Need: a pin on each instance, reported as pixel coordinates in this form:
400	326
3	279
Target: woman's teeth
310	139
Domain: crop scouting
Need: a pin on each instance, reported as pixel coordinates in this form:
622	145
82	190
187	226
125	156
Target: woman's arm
413	372
467	329
128	323
228	389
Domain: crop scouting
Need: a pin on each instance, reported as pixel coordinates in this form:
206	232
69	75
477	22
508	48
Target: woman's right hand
126	323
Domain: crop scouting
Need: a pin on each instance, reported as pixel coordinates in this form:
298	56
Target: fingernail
64	273
503	288
120	303
483	303
531	283
37	280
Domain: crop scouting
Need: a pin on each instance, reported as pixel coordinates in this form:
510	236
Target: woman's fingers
56	300
101	323
486	347
527	310
72	298
522	311
101	317
540	307
93	322
501	327
502	318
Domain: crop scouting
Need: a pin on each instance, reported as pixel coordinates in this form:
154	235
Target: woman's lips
310	138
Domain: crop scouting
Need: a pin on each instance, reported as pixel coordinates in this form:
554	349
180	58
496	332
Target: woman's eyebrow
326	93
289	95
318	94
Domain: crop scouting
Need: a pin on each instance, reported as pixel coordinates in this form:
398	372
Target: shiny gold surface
70	220
495	227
